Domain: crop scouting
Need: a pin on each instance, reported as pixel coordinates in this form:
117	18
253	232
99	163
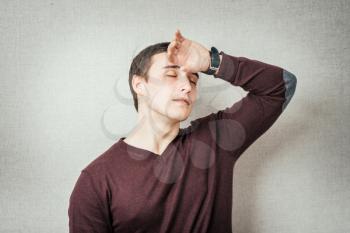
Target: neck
153	132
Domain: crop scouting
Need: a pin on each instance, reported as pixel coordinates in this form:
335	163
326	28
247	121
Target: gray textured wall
65	99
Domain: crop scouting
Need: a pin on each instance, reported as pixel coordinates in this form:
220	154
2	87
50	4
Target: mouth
183	101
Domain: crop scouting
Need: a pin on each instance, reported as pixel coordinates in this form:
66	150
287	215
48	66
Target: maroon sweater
189	187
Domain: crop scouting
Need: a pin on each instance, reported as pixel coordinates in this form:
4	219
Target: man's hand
189	55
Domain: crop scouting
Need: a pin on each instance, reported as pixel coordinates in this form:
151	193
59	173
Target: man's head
155	82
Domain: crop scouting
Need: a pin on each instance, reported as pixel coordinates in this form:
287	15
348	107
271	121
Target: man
161	178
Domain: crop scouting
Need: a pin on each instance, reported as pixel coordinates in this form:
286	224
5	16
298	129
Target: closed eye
173	76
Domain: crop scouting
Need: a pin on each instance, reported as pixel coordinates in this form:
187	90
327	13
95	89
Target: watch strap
214	61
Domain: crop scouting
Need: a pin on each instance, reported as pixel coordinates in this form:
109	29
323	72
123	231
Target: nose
185	84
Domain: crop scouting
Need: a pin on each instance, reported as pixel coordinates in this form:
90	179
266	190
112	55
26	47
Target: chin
176	112
180	116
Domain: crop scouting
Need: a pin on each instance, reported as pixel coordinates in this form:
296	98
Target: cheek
194	94
161	97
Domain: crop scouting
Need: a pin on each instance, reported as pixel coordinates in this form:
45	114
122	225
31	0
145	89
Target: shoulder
105	161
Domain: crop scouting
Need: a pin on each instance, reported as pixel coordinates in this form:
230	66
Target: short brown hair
141	64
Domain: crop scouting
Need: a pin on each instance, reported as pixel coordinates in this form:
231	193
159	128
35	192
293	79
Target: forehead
160	63
160	59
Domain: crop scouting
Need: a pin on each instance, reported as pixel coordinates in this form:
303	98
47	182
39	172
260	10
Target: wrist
207	61
214	60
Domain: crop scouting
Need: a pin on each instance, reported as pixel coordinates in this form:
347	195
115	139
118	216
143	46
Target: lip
183	100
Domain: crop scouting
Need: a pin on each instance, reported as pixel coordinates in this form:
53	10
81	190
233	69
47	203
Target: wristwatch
214	61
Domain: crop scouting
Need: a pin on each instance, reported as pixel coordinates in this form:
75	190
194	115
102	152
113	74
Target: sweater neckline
141	153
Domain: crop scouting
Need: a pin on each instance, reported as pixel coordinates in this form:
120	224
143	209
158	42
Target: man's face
166	83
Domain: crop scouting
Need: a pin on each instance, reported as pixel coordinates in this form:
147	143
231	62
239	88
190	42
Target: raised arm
270	89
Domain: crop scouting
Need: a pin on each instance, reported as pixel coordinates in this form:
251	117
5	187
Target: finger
177	42
177	45
179	36
171	46
170	57
170	53
175	49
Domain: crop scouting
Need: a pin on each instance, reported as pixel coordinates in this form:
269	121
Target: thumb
183	68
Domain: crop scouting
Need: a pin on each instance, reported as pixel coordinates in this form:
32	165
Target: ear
138	84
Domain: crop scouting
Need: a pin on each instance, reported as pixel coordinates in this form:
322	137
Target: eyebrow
176	67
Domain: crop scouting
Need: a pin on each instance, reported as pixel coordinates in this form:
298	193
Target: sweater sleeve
87	211
269	87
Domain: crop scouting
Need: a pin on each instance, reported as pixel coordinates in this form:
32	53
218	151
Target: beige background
65	99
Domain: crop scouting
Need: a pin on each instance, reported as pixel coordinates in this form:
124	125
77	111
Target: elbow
290	83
